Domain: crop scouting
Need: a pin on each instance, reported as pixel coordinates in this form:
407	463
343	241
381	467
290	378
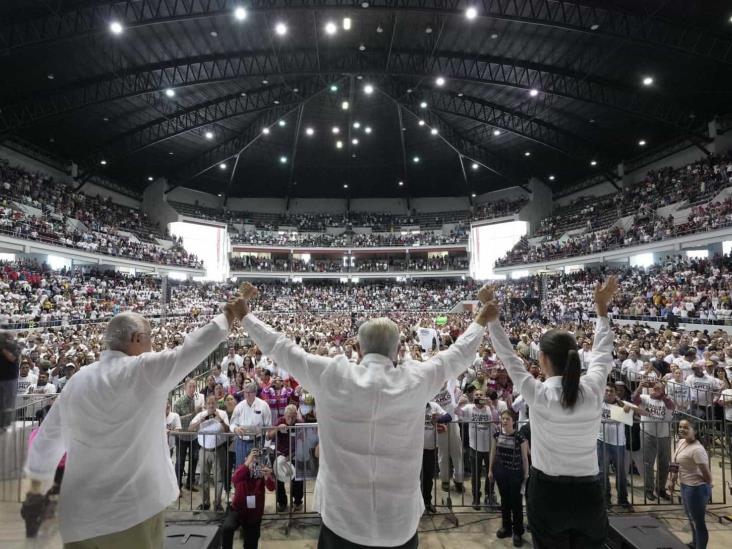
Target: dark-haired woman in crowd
690	468
565	499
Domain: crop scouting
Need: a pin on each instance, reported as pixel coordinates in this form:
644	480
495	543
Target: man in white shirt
42	386
686	362
26	378
702	387
251	416
611	448
367	490
449	442
232	357
172	424
585	355
220	377
434	420
120	479
632	367
428	338
210	423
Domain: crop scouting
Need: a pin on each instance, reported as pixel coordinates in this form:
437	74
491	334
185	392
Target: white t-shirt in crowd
208	428
426	336
25	382
632	368
430	436
172	423
726	396
702	389
655	420
48	389
481	427
611	432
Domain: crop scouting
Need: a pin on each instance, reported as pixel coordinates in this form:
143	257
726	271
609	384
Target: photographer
250	480
210	423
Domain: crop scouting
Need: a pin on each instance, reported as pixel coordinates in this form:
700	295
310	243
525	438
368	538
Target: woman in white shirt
565	418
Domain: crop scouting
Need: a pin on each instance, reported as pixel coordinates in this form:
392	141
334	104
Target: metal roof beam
550	80
569	15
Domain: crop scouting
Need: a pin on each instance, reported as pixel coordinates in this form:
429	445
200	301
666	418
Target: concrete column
540	205
155	204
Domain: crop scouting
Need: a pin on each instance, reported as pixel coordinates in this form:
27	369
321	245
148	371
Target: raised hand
485	294
603	294
489	312
247	291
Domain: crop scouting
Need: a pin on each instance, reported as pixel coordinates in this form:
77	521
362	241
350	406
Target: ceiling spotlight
116	27
367	129
240	14
243	94
473	195
281	29
309	131
345	185
171	153
170	92
364	4
421	122
265	81
330	28
222	166
214	34
357	125
440	81
150	178
642	142
339	144
428	30
460	94
415	159
379	29
533	92
336	130
648	80
283	160
50	76
362	47
333	88
496	132
401	183
368	89
471	13
434	131
359	77
209	135
527	153
106	119
593	162
594	26
494	36
347	23
265	131
474	166
281	123
354	141
551	178
276	101
345	105
103	162
423	105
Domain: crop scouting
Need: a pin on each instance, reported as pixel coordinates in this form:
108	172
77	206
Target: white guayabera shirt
108	422
371	429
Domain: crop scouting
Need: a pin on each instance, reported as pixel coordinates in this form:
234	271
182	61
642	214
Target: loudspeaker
192	536
641	532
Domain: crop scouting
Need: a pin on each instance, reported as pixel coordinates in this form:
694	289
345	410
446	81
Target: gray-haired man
119	478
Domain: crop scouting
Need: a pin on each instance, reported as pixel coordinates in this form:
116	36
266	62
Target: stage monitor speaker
192	536
641	532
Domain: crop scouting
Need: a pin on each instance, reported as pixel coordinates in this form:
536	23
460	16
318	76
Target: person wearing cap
250	481
367	490
69	370
119	479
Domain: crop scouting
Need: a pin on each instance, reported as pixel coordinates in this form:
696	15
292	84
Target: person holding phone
566	408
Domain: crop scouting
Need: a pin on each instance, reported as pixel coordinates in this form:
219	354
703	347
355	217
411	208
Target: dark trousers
566	512
479	464
296	491
182	450
330	540
512	502
695	500
429	457
231	524
8	391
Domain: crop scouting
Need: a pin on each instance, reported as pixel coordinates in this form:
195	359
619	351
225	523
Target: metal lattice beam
201	116
552	81
563	14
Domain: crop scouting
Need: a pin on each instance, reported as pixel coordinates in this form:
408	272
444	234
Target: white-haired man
371	420
119	478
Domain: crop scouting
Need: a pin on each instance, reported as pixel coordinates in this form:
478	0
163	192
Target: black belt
562	478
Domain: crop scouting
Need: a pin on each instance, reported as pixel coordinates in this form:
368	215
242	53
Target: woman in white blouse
565	500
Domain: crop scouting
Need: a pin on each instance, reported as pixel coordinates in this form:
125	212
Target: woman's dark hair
560	348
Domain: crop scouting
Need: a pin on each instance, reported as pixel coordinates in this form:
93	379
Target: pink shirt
689	457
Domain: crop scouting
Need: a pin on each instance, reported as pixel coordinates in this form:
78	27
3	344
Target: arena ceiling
189	85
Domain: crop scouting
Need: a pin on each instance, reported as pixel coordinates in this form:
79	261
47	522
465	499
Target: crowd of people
692	186
34	206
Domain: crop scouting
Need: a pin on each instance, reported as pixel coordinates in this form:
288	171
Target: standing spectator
219	377
250	416
26	378
690	467
172	425
42	386
611	448
277	396
434	420
249	480
657	412
9	372
509	466
186	409
285	434
449	444
210	424
232	359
